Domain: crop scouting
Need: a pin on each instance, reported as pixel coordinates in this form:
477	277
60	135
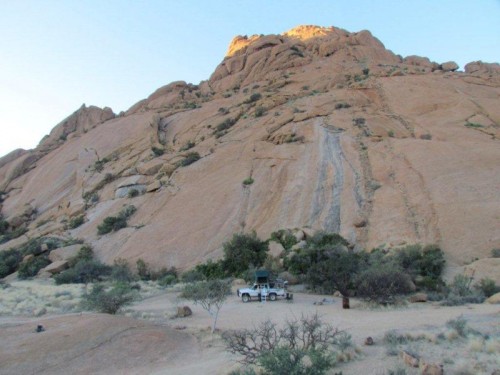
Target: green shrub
85	271
253	98
75	222
495	253
285	238
31	267
132	193
248	181
108	302
382	283
211	270
187	146
242	251
259	111
167	280
120	271
143	270
459	325
115	223
9	261
84	254
157	151
285	360
488	287
4	225
190	158
192	276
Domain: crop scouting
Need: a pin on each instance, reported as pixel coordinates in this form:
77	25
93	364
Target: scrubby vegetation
108	300
115	223
190	158
11	259
76	221
210	295
283	350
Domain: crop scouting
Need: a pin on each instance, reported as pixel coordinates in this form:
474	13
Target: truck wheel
272	297
245	298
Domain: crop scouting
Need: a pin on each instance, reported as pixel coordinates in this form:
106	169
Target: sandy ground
149	341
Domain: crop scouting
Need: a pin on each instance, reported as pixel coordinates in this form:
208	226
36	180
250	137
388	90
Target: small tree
242	251
283	350
108	302
210	295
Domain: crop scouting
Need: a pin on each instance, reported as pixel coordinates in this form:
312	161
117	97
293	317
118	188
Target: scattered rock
44	248
56	267
431	369
449	66
28	257
156	185
275	248
184	311
418	297
409	358
39	328
64	253
369	341
299	235
494	299
299	245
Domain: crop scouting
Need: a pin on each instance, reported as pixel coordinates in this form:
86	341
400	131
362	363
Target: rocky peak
304	32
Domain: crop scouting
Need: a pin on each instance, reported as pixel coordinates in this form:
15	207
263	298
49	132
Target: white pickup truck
271	291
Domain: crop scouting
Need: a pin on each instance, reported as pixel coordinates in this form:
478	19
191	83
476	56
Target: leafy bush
253	98
31	267
120	271
285	238
210	295
459	325
192	276
190	158
259	111
84	254
167	280
242	251
4	225
495	253
85	271
488	287
284	360
460	292
132	193
9	261
211	270
382	283
115	223
75	222
187	146
248	181
272	346
143	270
108	302
157	151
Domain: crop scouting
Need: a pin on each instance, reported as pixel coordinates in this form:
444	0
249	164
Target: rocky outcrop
336	132
480	68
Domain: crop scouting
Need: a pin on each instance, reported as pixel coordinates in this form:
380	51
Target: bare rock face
336	132
56	267
79	122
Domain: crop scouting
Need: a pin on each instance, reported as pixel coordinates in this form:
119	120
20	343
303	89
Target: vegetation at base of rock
31	267
285	238
115	223
85	271
242	251
75	222
222	128
259	111
10	260
157	151
108	301
253	98
164	276
190	158
282	349
210	295
248	181
188	145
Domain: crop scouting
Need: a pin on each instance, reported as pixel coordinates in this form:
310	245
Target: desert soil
147	340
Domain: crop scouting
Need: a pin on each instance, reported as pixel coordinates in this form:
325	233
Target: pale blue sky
56	55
